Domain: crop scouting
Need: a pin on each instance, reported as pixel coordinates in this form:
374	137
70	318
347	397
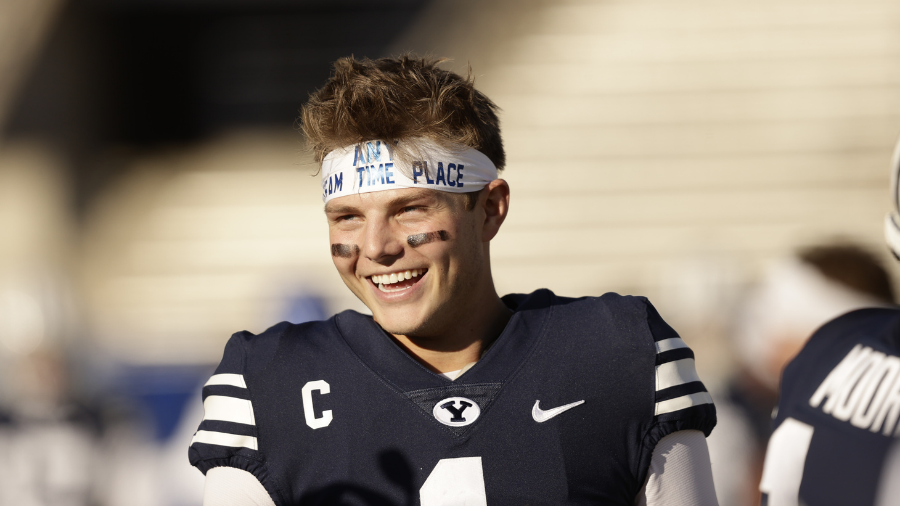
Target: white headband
370	167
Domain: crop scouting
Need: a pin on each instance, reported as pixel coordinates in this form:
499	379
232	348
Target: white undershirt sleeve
229	486
889	485
680	473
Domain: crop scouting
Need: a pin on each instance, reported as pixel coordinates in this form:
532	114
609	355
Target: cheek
344	244
469	234
344	253
343	266
346	267
344	250
461	252
416	240
469	251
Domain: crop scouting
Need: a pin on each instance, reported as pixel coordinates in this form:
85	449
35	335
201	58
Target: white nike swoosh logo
541	416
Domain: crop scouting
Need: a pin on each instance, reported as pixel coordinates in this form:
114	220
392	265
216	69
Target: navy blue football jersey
565	407
837	413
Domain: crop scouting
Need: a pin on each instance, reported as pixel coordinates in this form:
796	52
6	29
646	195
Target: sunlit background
155	194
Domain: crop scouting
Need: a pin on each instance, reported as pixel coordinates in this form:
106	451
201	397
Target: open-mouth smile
397	281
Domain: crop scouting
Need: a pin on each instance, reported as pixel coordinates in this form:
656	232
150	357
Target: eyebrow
339	209
405	199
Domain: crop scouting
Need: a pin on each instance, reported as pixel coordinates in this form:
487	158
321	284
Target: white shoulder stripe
685	401
675	373
223	439
228	409
672	343
235	380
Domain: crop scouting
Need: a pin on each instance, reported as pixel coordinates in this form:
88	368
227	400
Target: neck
462	345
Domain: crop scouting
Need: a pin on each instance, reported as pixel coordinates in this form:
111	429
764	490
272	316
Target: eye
345	218
410	209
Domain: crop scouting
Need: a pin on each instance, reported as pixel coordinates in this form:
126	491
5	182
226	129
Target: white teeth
388	279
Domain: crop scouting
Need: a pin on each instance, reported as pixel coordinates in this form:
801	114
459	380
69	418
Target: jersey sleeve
681	401
227	435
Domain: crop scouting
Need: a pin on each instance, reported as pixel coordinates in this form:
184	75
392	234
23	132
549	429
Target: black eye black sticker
427	237
344	250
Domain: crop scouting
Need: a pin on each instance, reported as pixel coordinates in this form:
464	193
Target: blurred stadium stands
155	195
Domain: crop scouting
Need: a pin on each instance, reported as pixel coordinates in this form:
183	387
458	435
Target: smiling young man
448	394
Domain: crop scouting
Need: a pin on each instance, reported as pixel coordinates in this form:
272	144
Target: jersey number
455	482
785	460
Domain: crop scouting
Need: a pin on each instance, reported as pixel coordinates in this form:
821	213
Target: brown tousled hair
851	266
397	100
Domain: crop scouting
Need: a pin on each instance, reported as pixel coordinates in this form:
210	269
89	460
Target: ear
496	206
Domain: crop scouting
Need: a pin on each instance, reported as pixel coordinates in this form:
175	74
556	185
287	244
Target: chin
416	318
401	324
399	327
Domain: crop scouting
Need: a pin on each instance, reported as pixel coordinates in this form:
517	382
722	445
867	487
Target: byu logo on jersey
456	411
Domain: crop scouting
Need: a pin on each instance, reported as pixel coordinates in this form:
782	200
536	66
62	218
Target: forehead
388	199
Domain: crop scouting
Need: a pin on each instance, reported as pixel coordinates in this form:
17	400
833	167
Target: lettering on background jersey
308	411
863	389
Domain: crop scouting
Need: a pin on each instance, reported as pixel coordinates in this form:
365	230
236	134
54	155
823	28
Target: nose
382	244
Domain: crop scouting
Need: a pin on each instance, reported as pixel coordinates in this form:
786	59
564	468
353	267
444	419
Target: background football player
448	393
837	416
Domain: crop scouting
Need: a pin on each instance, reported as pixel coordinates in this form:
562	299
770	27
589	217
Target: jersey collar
385	358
